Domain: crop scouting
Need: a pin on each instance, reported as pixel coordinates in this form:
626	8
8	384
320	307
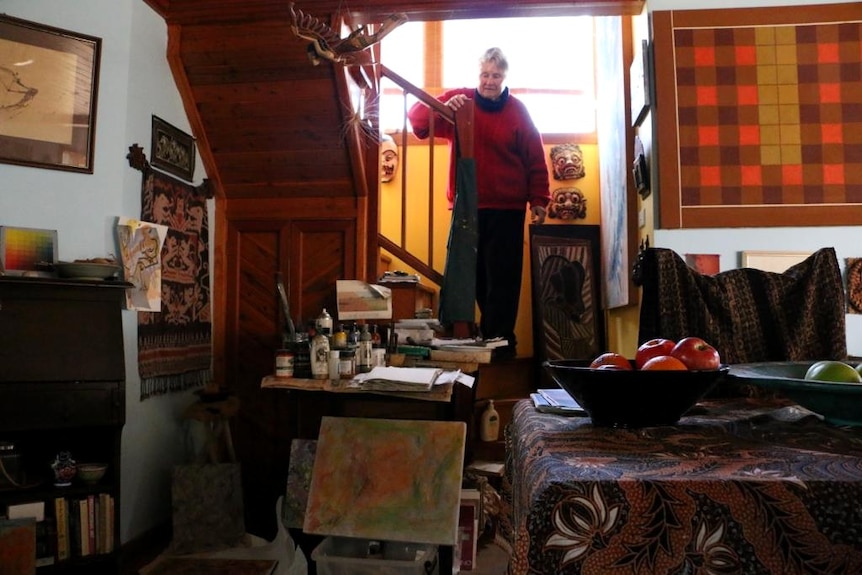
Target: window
550	66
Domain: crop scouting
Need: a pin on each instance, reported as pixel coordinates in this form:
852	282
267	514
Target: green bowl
91	473
837	403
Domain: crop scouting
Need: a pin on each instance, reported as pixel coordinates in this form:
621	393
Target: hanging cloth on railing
458	292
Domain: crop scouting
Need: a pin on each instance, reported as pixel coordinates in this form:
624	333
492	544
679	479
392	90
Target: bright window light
550	66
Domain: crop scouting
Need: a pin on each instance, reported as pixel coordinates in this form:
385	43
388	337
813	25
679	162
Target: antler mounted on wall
326	44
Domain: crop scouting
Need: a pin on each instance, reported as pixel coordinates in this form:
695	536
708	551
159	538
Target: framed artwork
733	152
173	150
776	262
567	312
48	91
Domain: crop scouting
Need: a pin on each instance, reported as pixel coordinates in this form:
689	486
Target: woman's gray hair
495	56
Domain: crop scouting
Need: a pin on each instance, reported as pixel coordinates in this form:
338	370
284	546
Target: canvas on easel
386	479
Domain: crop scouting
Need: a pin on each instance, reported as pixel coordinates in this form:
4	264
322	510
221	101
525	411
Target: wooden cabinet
62	388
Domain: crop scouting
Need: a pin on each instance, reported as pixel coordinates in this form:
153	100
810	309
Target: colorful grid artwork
21	249
770	115
765	113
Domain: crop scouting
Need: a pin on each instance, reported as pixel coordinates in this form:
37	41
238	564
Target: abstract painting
387	479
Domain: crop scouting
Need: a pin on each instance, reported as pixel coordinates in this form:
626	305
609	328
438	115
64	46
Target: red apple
611	359
696	354
652	348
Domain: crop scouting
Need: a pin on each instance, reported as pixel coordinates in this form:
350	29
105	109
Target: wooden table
745	486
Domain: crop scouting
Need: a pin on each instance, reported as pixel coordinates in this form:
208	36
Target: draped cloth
458	292
747	314
174	345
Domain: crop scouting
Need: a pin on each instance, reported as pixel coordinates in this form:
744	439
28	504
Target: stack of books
398	277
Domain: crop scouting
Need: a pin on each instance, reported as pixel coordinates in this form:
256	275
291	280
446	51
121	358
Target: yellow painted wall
416	230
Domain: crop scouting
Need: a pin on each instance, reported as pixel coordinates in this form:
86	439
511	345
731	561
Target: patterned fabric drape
749	315
174	345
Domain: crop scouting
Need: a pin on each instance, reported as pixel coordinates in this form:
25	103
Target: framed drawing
567	312
777	262
48	91
173	150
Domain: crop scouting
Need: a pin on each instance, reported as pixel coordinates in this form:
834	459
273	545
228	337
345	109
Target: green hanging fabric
458	292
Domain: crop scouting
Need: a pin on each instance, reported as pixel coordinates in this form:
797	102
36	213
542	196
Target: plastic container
353	556
490	430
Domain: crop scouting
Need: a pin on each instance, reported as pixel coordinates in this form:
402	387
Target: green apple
833	371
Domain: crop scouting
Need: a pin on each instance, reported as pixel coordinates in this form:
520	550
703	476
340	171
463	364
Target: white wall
135	83
729	242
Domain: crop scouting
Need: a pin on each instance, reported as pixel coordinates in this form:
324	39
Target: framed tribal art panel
567	312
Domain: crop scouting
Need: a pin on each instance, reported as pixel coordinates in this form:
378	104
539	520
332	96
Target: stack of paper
398	378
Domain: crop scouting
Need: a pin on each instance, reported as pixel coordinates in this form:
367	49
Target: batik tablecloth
745	486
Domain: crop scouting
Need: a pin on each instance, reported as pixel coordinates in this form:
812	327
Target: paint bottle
320	357
490	428
339	338
324	323
363	350
334	362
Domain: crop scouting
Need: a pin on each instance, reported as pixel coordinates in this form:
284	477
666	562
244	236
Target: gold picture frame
50	79
776	262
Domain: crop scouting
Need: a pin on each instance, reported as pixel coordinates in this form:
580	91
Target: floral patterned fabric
744	486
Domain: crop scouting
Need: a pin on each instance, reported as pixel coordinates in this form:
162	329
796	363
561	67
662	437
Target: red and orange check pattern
769	114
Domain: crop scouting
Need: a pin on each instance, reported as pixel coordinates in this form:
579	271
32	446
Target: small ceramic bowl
91	473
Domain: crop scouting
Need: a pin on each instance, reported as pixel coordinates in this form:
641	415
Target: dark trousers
500	257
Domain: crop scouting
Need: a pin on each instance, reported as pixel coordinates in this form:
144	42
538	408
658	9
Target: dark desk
312	399
745	487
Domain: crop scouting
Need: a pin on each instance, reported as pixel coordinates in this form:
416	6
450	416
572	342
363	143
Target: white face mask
388	160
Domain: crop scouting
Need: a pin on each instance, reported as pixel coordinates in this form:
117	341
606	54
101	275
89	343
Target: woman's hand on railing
456	101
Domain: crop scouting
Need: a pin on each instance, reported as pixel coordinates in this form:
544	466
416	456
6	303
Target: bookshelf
62	388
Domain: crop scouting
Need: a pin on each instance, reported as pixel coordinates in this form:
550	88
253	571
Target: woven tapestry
174	349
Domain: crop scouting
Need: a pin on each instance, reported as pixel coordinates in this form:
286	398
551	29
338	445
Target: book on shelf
103	523
84	523
61	519
75	528
556	401
46	536
91	524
